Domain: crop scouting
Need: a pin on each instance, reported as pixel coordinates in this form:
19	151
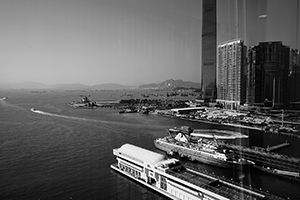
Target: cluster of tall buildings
265	74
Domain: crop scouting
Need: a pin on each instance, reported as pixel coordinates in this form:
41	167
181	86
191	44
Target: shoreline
234	126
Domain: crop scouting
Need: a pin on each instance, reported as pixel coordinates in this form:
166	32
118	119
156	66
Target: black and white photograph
149	99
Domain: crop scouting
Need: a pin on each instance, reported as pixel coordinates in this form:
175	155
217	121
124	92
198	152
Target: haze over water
59	152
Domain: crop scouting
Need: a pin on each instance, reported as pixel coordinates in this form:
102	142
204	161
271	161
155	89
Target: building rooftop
140	155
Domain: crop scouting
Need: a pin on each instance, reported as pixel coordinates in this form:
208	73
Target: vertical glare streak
297	25
236	20
245	22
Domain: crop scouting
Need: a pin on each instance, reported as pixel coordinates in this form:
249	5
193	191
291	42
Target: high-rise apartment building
209	33
294	79
253	76
268	69
231	80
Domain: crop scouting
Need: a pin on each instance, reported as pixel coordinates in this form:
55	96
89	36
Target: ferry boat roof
140	155
192	178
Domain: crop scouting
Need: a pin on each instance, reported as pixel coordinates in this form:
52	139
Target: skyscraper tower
268	66
209	45
231	80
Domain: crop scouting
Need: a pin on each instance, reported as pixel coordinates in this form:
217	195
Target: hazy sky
259	20
100	41
126	41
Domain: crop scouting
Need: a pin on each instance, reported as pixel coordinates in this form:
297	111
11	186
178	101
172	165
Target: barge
171	179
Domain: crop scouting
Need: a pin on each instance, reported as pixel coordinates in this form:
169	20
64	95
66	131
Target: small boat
143	110
121	111
282	173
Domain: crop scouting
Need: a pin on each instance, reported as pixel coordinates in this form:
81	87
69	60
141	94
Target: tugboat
143	110
127	110
121	111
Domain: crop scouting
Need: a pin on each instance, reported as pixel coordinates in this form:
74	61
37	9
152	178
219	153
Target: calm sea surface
65	153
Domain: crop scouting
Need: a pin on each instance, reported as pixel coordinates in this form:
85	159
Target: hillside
171	84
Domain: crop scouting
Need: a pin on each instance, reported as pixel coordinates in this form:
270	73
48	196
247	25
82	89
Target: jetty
266	160
278	146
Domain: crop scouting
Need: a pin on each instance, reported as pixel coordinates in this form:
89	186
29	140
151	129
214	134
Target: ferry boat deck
170	178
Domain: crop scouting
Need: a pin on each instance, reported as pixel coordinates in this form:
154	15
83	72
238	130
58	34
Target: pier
265	159
272	148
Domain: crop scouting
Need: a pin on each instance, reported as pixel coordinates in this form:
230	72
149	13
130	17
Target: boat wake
61	116
8	104
104	123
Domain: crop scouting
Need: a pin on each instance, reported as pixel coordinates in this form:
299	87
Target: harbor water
58	152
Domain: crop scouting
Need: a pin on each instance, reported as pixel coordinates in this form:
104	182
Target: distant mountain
64	86
110	86
72	86
170	84
24	85
136	84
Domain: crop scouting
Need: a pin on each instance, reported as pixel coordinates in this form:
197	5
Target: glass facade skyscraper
209	45
268	70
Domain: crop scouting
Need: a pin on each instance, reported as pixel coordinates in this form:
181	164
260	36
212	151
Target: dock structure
286	122
172	179
107	101
278	146
264	158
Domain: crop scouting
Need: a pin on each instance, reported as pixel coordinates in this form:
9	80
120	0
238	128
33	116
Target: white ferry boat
205	151
170	178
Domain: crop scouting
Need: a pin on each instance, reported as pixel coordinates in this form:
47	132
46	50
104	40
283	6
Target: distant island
171	84
167	84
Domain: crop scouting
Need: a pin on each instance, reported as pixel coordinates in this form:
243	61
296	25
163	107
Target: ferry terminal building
170	178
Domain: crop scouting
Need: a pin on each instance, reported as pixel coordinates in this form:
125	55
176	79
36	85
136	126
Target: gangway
272	148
